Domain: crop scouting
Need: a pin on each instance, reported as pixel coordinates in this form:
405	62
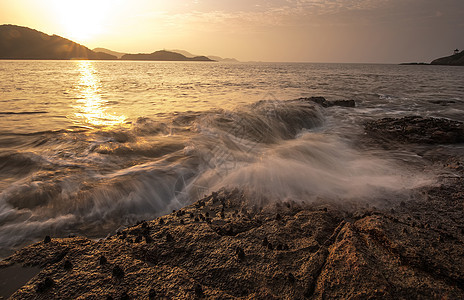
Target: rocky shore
227	246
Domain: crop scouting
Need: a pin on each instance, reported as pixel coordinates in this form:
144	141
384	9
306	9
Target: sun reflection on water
91	107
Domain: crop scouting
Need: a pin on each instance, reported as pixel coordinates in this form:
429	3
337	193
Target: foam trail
311	167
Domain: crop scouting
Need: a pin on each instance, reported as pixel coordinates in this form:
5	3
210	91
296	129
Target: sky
346	31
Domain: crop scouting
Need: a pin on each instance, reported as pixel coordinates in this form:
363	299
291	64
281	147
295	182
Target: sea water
88	147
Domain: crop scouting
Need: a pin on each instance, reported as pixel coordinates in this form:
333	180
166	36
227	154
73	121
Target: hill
212	57
107	51
164	55
452	60
18	42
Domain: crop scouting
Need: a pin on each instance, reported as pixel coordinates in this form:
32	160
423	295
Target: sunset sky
380	31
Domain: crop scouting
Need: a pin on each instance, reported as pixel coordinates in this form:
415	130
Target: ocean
90	147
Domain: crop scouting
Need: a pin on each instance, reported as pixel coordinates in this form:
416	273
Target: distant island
457	59
18	42
183	52
164	55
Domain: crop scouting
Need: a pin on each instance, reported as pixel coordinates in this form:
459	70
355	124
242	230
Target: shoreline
225	246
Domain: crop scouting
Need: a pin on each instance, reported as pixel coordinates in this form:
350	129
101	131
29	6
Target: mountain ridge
163	55
18	42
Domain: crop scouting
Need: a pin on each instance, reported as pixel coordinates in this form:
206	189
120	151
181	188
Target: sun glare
82	20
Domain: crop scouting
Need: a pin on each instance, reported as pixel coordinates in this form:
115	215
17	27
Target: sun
82	20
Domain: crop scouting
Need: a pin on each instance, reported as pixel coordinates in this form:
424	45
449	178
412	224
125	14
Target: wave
92	182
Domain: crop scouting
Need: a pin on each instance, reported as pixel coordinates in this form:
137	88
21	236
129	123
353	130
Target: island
163	55
17	42
457	59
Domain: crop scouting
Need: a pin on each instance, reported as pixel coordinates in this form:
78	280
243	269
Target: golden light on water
90	106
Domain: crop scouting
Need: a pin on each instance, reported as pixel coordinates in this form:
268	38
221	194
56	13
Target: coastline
225	246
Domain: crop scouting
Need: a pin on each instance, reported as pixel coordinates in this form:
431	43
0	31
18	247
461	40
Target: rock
240	253
270	247
332	254
343	103
103	260
414	129
291	278
118	272
442	102
326	103
265	242
47	239
45	285
198	290
67	265
169	237
125	296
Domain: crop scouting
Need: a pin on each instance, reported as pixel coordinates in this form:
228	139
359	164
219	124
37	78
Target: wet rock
240	253
103	260
265	242
342	103
442	102
415	129
45	285
118	272
291	278
47	239
169	237
198	290
152	294
326	103
67	265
